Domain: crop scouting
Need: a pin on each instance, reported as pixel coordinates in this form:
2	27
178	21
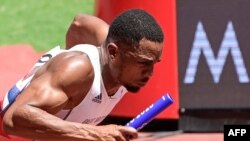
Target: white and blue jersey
93	108
11	95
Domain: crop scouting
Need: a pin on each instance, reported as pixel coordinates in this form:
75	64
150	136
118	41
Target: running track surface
166	136
16	60
179	136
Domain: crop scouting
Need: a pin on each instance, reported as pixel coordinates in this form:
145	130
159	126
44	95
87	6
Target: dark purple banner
214	53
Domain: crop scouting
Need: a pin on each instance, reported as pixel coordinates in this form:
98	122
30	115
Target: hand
117	133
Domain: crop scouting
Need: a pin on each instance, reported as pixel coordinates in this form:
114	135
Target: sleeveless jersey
93	108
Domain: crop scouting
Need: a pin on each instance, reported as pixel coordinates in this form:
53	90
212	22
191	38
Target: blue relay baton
152	111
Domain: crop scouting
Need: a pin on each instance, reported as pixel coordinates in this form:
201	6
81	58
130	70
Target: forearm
33	123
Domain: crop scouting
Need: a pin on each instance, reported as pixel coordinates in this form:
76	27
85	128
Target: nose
151	73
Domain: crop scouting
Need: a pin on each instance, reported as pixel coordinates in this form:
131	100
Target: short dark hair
132	26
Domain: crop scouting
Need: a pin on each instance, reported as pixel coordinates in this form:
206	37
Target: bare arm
31	115
86	29
46	127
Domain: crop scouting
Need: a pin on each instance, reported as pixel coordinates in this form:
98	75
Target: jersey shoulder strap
15	90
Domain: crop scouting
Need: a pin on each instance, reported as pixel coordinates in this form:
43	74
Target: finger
128	132
120	138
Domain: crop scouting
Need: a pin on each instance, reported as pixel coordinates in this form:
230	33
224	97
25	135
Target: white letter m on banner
201	44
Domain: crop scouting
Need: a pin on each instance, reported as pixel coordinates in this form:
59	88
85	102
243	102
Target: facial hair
131	88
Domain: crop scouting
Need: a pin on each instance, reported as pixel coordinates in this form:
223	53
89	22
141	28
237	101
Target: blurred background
43	24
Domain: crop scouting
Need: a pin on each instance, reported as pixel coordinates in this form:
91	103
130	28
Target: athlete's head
134	44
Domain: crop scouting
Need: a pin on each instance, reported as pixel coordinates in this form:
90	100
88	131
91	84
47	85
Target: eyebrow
149	60
143	58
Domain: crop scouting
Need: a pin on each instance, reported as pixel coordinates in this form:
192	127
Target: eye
145	63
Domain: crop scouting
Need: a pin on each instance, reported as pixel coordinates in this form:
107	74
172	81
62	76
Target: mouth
141	84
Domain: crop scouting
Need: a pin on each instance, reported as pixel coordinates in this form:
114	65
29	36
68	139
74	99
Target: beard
131	88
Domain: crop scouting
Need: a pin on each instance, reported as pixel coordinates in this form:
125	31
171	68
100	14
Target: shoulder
82	20
74	58
86	29
71	68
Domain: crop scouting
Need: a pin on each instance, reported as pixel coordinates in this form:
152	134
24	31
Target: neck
111	85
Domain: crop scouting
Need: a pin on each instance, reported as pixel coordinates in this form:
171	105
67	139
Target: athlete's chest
75	100
92	109
77	93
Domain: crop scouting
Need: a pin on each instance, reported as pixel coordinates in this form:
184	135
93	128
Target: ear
113	50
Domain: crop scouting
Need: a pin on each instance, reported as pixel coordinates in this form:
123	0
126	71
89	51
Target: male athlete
68	92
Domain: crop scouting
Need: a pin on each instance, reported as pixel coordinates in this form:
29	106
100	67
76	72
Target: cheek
132	72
